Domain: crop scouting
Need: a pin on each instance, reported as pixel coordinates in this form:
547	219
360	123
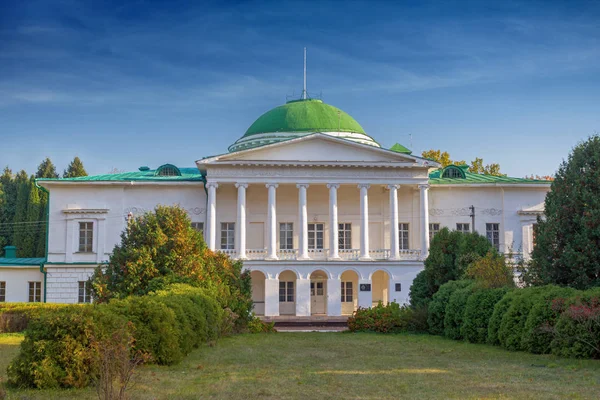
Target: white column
364	221
424	220
272	222
271	297
394	238
241	220
211	215
365	298
303	297
303	219
333	222
334	297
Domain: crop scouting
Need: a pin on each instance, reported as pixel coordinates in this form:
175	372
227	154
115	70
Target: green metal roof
187	174
298	118
435	178
398	148
22	261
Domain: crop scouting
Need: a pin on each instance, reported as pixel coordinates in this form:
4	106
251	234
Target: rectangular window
463	227
315	236
227	235
286	292
35	292
347	292
86	237
319	286
403	235
199	226
492	232
2	292
84	292
345	236
286	235
433	229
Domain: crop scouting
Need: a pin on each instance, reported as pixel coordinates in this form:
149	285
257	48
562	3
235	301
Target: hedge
538	331
437	306
496	319
391	318
455	309
510	332
477	314
577	331
59	349
14	317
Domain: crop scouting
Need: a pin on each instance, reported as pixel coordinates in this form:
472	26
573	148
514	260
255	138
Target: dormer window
168	170
453	172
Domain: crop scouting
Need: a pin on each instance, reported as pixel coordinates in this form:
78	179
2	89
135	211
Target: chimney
10	252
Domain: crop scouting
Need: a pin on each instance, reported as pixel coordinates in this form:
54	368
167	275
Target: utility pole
472	215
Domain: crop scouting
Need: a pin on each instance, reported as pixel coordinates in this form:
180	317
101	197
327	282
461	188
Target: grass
351	366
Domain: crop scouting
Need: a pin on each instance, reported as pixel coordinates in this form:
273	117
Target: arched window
167	170
453	172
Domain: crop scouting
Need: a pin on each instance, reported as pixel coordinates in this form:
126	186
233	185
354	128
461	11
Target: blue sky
151	82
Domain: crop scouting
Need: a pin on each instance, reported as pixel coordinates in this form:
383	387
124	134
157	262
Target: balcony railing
323	254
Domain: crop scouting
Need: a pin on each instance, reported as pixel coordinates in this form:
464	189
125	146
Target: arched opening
258	292
380	287
318	293
349	293
287	293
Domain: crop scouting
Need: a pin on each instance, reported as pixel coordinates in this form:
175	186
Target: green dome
300	118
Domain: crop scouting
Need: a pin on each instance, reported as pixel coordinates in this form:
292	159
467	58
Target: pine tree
75	169
33	225
46	169
7	215
19	225
567	242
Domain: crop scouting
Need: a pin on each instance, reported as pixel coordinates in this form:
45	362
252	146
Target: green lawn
350	366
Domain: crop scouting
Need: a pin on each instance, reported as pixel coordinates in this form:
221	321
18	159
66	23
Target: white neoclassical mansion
325	218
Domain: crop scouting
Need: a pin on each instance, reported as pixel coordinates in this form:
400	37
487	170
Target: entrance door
317	297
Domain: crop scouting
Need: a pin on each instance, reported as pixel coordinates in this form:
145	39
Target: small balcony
323	254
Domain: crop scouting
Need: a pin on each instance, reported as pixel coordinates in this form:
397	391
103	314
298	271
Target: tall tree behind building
75	169
19	222
46	169
476	166
7	211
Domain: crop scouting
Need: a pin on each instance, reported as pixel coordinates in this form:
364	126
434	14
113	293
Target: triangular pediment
317	148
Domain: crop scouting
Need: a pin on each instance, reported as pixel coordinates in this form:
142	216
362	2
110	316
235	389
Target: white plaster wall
62	282
119	201
17	282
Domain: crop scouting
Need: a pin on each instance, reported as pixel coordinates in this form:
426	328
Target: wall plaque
398	287
365	287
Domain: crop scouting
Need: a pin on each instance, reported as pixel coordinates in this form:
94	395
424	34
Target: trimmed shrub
420	294
491	271
391	318
14	317
56	350
499	310
511	329
437	307
577	331
60	345
478	311
455	310
538	332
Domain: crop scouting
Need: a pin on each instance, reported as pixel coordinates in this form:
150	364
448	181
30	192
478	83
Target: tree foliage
567	248
491	272
476	166
75	169
160	248
450	254
46	169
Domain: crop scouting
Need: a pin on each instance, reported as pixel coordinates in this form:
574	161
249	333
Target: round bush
437	307
577	330
455	310
499	310
538	331
478	311
513	321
